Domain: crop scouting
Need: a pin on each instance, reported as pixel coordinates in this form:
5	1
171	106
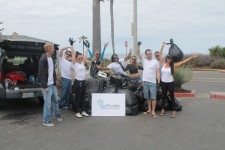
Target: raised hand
194	56
87	44
139	43
71	41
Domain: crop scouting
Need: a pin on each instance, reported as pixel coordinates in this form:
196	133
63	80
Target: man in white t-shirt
65	69
151	75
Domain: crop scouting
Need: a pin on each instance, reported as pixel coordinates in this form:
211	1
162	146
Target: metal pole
135	27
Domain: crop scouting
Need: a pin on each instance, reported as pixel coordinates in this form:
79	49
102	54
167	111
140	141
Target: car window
18	60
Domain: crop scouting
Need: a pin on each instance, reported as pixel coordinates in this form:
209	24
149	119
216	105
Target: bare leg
149	111
153	108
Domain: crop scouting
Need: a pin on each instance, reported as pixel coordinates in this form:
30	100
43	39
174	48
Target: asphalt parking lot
200	125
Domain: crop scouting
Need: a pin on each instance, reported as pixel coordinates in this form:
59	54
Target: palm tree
83	39
96	36
112	25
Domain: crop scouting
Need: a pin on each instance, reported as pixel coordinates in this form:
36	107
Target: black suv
19	59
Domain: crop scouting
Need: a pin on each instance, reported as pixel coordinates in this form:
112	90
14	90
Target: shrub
218	64
181	75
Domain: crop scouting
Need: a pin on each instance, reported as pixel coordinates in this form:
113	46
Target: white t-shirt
65	67
79	71
50	71
150	69
166	75
116	68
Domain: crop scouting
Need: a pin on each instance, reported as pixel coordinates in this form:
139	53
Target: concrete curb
217	95
222	71
192	94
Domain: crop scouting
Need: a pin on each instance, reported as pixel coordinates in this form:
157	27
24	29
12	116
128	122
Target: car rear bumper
23	93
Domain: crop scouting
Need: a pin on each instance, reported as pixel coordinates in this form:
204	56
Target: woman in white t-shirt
79	88
167	80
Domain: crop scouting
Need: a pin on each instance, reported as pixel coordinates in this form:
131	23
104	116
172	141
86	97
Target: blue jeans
49	97
65	91
137	79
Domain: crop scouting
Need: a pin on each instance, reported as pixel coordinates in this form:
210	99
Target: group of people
155	71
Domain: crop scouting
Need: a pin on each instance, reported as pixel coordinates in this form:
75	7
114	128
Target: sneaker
78	115
58	118
48	124
84	114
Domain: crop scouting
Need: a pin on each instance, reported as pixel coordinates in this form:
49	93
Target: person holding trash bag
117	64
167	80
133	68
151	75
79	88
96	60
65	69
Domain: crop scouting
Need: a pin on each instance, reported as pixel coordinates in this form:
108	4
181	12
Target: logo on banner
102	105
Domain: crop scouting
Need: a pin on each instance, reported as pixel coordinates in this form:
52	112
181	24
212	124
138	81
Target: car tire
41	100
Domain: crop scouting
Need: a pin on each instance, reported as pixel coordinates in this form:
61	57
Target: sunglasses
133	58
97	54
156	55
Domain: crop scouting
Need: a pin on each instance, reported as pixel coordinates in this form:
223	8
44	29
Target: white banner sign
108	104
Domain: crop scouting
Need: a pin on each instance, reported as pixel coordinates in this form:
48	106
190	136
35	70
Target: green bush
181	75
218	64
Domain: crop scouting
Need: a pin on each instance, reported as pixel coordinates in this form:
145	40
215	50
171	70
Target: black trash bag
95	85
134	85
110	89
167	105
143	105
178	106
132	111
175	51
132	104
72	99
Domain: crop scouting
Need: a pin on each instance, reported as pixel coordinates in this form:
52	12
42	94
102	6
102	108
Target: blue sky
195	25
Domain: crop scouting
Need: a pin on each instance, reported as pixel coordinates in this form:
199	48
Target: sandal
154	116
147	112
173	114
162	112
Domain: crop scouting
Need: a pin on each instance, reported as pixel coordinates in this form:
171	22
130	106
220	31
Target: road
200	125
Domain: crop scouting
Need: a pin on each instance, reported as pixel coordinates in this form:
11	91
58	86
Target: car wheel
41	100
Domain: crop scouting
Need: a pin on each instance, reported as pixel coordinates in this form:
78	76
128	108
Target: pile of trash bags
118	83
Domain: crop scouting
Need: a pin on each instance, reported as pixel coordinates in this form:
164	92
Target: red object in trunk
13	76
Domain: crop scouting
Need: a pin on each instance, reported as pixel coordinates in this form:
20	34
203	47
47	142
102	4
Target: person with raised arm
167	80
79	87
95	60
151	75
65	69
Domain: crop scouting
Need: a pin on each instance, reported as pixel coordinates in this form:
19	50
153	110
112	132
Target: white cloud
195	25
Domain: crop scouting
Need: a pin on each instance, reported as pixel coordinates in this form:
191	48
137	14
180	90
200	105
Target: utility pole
134	27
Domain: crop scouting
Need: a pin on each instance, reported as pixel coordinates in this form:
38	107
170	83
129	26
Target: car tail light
0	76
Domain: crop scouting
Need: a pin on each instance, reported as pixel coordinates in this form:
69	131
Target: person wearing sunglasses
167	80
79	87
133	68
65	68
95	60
